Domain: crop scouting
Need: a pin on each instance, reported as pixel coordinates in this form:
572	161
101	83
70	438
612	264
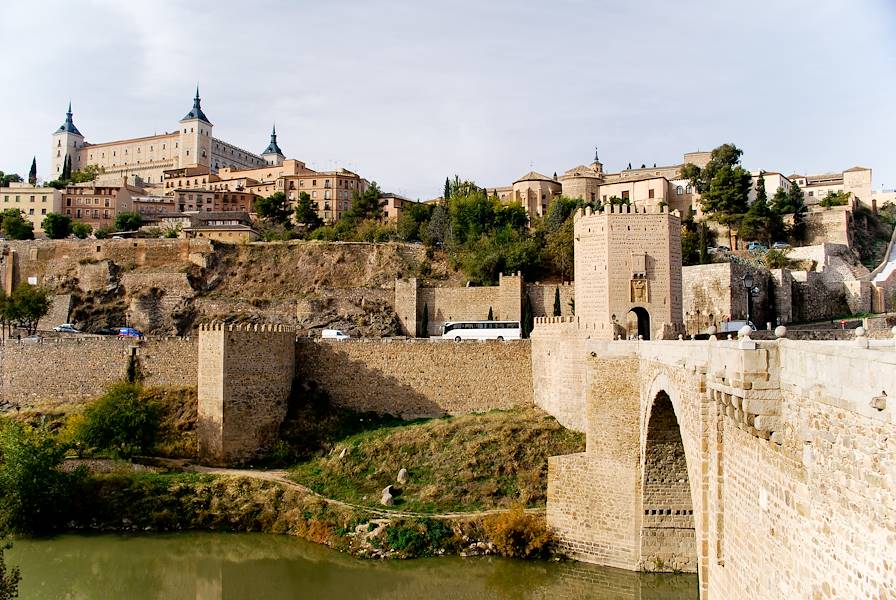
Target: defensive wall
419	378
506	301
72	371
767	467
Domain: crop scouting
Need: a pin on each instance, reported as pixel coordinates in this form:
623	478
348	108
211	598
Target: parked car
735	326
757	247
723	248
129	332
108	330
32	339
334	334
780	245
66	328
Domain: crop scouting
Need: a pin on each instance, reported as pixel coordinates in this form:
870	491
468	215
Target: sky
406	93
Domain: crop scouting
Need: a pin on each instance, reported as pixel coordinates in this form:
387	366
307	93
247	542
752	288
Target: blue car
129	332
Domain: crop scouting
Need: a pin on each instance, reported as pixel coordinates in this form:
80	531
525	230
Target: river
216	566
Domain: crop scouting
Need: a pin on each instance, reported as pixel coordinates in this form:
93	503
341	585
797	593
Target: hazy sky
407	92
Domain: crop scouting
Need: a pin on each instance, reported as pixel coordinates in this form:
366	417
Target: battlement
624	209
246	327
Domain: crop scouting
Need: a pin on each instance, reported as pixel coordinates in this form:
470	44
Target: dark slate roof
273	148
196	112
69	125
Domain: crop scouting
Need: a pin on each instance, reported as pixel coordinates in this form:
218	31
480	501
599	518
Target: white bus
481	330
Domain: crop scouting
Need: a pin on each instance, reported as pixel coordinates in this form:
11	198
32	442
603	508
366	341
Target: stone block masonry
244	381
419	378
71	371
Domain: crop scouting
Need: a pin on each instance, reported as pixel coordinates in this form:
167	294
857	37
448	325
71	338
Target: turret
195	145
67	141
597	166
272	154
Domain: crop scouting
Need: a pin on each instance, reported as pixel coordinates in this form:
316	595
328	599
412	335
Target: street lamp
748	287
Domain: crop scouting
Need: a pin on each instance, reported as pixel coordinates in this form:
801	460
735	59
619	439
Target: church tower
272	154
67	141
597	166
195	146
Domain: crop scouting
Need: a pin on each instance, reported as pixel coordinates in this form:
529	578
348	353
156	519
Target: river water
216	566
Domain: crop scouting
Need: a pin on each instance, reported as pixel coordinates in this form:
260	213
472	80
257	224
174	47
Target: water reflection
211	566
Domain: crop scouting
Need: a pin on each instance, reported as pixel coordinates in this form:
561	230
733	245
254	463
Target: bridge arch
669	483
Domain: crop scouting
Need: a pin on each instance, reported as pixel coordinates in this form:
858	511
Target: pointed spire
273	148
69	125
196	112
596	159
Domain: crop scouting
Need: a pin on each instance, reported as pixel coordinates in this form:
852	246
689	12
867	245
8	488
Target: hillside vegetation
465	463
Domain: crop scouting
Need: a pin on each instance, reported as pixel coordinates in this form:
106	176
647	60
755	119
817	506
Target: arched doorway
637	323
668	541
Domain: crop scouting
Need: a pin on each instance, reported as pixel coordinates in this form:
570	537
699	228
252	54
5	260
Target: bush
120	421
419	537
9	578
33	490
519	535
81	230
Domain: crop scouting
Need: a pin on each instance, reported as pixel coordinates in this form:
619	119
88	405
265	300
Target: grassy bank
192	501
466	463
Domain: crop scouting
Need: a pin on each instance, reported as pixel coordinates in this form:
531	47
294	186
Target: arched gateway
667	526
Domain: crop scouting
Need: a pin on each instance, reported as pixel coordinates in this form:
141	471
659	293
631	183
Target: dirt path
279	476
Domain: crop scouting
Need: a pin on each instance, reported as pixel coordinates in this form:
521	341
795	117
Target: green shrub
519	535
34	492
9	578
120	421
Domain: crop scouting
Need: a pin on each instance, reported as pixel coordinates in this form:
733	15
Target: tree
761	222
424	322
128	221
32	174
14	226
491	315
121	421
103	232
7	178
81	230
9	578
274	209
66	174
306	212
439	222
33	489
413	222
558	250
791	202
88	173
723	184
446	193
528	317
27	305
557	307
57	226
840	198
559	210
367	205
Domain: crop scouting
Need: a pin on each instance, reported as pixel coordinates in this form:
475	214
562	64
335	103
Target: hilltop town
685	368
816	247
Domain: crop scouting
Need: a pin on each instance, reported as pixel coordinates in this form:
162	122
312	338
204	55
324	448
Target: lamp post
748	287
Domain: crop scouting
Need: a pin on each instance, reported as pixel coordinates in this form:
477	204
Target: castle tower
272	154
67	141
597	166
628	273
195	146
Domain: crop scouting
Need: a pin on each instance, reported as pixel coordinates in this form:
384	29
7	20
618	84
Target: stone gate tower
628	273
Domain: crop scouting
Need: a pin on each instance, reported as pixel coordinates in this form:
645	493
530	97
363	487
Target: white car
334	334
66	328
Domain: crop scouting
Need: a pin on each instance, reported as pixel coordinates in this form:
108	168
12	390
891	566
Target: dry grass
466	463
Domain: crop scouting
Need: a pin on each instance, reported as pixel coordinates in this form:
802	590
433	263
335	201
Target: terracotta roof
534	176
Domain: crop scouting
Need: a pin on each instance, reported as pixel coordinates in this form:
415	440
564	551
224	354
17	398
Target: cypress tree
32	174
556	302
528	317
491	315
447	192
424	322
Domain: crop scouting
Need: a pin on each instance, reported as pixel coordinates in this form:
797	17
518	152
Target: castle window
650	193
625	195
679	190
687	190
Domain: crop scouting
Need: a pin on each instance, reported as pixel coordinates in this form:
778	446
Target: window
811	193
30	211
625	195
679	190
687	190
43	211
650	193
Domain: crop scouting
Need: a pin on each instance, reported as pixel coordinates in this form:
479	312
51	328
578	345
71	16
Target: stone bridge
768	468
